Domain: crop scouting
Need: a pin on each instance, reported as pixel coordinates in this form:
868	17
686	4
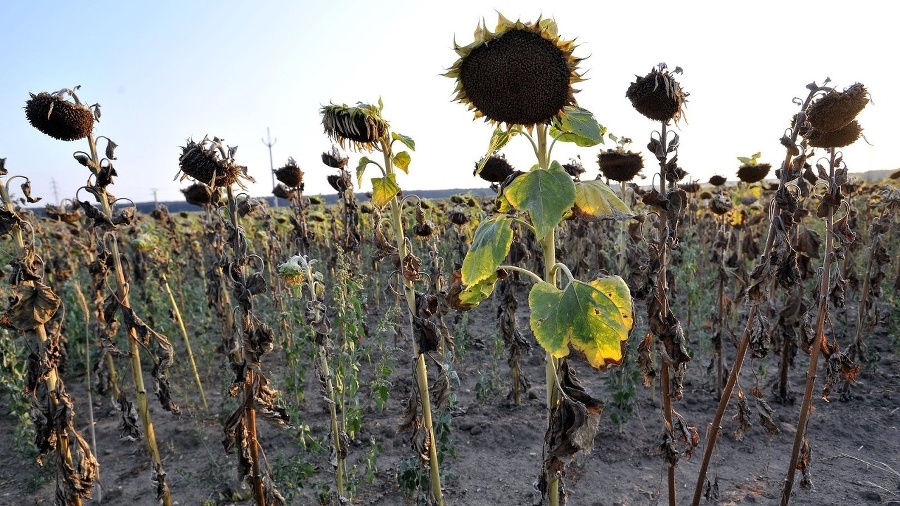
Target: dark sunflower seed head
290	174
620	166
496	169
717	180
753	173
845	136
360	127
59	118
835	109
657	96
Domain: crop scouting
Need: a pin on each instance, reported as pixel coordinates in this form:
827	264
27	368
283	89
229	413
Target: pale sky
167	70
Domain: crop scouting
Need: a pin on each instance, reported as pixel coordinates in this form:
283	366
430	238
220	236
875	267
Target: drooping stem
249	401
818	337
409	292
187	342
133	348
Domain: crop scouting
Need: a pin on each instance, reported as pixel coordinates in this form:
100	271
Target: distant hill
181	205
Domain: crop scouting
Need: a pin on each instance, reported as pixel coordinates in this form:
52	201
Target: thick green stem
409	293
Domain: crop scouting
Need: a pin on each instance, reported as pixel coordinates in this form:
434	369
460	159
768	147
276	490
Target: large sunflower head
361	126
836	109
520	74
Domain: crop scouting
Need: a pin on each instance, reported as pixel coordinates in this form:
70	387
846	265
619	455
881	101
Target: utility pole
155	202
269	143
55	193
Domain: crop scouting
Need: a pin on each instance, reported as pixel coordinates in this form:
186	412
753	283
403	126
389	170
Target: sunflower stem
548	247
409	293
134	351
818	337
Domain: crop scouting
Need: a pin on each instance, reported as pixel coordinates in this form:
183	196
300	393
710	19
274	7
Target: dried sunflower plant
363	128
827	120
659	97
36	312
519	78
68	120
212	163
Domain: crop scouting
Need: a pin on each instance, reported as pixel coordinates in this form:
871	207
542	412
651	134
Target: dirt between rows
498	447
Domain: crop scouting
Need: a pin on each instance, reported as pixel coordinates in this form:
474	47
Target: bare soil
498	447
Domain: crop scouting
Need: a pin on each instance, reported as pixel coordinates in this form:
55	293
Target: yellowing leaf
594	201
592	318
401	161
489	248
463	298
384	189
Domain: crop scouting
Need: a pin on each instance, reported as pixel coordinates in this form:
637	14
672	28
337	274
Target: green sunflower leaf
384	189
594	201
489	248
361	168
579	126
407	141
401	161
545	194
592	318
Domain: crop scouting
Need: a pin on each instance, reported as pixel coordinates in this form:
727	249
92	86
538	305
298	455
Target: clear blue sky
167	70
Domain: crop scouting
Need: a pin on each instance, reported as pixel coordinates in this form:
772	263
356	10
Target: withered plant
659	97
36	313
827	123
41	111
212	162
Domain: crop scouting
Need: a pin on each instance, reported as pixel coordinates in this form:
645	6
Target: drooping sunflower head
200	194
520	74
835	109
844	136
658	95
717	180
361	127
496	168
620	165
753	172
290	174
211	162
334	159
59	118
